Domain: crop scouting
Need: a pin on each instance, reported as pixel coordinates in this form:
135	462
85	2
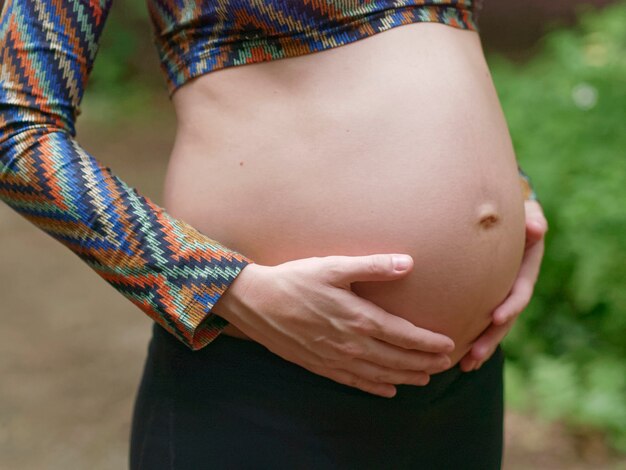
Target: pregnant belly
343	154
466	257
466	236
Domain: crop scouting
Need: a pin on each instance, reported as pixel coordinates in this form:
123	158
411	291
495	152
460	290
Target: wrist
233	299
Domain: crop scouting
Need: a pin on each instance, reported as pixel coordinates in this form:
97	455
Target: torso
392	144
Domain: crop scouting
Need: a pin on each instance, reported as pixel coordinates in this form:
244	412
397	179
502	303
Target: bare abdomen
382	146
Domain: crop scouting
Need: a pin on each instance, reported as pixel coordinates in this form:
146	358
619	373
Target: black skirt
236	405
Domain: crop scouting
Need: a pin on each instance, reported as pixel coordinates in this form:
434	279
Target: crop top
206	35
170	270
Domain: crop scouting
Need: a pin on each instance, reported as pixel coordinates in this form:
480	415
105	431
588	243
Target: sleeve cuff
528	189
209	326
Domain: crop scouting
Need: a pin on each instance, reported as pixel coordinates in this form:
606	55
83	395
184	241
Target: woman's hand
505	315
305	312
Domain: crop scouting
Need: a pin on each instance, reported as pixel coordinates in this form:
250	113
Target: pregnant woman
346	228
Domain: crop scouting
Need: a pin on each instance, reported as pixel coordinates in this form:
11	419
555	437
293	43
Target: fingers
506	313
378	323
375	373
484	346
346	378
404	334
536	223
388	356
368	364
343	270
487	343
374	321
374	379
523	287
535	230
346	353
367	377
468	363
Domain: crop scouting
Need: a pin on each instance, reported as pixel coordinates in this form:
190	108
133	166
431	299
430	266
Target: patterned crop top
170	270
203	36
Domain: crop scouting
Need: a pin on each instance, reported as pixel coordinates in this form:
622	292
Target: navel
488	215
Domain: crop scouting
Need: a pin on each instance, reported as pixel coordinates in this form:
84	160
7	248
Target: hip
234	404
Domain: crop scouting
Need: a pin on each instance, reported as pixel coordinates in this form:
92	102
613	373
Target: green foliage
566	110
125	75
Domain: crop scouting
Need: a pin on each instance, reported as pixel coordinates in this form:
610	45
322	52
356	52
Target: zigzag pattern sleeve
527	186
168	269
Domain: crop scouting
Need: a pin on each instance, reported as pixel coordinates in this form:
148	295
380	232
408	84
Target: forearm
164	266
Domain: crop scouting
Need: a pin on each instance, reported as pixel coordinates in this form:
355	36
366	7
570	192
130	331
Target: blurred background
71	348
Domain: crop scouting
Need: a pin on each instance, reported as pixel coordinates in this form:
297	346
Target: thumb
535	229
536	223
379	267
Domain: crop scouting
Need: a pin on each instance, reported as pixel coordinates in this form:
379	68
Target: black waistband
250	361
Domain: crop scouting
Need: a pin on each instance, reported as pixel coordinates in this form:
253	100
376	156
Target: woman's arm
164	266
167	268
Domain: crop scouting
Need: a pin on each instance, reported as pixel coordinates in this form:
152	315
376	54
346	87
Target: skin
333	332
326	165
506	314
363	369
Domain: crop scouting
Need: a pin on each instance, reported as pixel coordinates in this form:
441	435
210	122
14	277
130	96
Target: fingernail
400	262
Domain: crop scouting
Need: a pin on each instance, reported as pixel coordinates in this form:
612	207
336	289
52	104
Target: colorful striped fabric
528	189
164	266
196	37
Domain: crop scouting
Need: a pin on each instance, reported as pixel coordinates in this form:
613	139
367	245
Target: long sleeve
172	272
528	189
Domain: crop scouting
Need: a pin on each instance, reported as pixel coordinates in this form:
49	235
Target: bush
566	110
